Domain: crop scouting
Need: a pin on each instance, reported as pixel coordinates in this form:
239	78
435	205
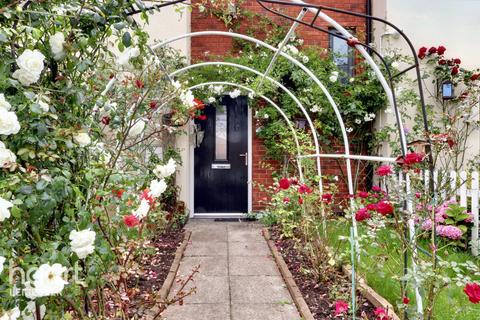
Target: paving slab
238	278
258	289
262	311
248	249
217	311
253	266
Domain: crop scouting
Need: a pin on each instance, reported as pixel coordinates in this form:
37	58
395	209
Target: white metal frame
346	156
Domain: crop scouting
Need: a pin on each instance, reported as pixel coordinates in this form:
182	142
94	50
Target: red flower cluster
363	194
139	84
147	196
341	307
284	183
381	314
423	51
384	170
327	198
304	189
384	208
131	221
196	111
362	214
475	76
118	193
472	290
410	159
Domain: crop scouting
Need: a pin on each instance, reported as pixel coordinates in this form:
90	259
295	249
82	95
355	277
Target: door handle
246	157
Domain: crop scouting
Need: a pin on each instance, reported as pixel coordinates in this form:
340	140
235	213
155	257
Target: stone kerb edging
288	278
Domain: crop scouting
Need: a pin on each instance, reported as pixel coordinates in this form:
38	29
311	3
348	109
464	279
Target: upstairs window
343	55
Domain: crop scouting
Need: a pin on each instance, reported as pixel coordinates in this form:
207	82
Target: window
221	133
342	54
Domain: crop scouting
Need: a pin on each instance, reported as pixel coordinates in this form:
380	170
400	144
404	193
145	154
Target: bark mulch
319	296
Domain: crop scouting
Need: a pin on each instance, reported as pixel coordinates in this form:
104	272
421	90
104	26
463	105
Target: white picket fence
464	188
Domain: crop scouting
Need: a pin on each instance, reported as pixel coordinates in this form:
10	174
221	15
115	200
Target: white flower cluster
187	98
8	119
235	93
82	242
369	117
56	43
30	64
333	76
157	187
5	206
124	58
82	139
315	109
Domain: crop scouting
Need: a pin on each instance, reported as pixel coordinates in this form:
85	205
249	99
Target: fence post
474	197
463	189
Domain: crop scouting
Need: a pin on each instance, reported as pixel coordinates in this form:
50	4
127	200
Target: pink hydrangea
470	218
427	225
450	232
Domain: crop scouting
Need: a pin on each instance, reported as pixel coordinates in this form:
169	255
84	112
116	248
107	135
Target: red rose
293	181
118	193
376	189
363	194
300	200
457	61
286	200
327	198
432	50
202	117
131	221
362	214
284	183
450	62
304	189
381	314
442	62
406	300
475	76
341	307
472	290
384	170
153	104
139	84
410	159
384	208
422	52
147	196
105	120
441	50
371	207
454	71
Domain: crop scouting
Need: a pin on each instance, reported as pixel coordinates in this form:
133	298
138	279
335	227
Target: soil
320	296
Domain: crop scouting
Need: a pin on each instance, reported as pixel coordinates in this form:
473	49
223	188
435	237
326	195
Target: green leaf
127	39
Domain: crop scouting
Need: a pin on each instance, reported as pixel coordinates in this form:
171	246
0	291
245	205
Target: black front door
221	159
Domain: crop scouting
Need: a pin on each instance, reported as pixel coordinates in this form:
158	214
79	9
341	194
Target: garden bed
318	295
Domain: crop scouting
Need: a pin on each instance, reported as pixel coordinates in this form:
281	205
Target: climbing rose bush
81	178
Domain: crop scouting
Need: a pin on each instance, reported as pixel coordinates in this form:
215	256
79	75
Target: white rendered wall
452	24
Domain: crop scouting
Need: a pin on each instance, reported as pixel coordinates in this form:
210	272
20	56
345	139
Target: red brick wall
205	46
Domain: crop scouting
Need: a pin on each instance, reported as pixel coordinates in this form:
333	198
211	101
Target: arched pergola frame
279	52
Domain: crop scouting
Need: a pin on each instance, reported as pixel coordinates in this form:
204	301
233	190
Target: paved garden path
238	277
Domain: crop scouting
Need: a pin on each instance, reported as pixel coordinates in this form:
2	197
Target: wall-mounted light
300	123
447	90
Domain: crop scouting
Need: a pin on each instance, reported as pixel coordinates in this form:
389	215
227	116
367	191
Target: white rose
8	122
29	292
5	209
82	242
56	45
4	103
142	210
187	98
82	139
128	54
305	59
165	170
157	187
217	90
7	157
12	314
48	279
2	262
235	94
44	106
211	100
30	65
137	128
29	313
333	78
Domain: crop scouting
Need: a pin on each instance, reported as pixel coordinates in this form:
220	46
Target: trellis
368	53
